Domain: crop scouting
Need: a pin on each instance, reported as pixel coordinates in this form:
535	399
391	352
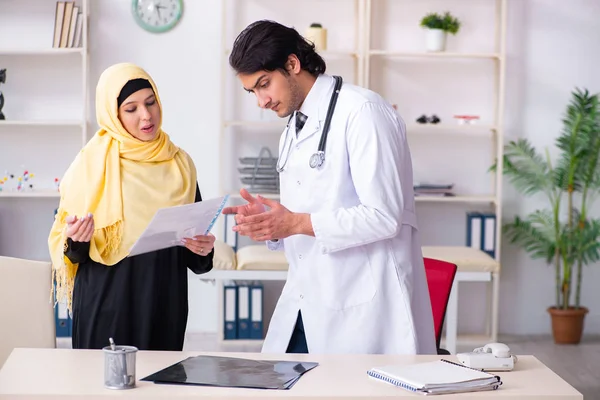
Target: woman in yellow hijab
109	194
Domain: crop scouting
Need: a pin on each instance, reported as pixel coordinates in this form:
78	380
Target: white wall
551	49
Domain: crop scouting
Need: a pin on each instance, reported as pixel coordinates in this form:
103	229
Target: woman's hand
200	244
80	229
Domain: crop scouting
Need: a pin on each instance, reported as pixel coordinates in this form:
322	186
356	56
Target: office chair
31	323
440	277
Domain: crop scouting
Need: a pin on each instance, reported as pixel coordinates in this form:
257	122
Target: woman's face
140	115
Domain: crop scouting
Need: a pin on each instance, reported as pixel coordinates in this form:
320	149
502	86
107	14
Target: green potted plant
565	235
437	27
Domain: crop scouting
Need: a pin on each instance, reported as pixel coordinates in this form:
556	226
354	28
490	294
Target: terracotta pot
567	325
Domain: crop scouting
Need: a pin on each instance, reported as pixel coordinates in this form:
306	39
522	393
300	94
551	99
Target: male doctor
356	281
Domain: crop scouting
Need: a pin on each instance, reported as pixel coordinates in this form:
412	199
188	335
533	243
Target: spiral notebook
436	377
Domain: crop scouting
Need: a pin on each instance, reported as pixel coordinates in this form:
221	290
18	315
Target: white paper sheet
170	225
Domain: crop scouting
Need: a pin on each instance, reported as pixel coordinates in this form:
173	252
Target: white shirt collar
312	103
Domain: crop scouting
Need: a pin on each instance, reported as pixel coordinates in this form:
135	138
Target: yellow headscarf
121	180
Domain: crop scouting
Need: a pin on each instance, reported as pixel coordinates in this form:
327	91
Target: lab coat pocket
321	184
346	279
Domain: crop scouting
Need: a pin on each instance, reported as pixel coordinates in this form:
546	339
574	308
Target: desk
66	373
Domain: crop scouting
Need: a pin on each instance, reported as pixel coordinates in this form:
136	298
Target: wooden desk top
66	373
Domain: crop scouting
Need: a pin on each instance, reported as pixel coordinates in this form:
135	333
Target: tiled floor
579	365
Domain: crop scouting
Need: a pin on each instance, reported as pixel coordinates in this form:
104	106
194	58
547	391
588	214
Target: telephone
491	357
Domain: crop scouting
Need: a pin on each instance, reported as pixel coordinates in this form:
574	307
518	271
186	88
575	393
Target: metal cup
119	367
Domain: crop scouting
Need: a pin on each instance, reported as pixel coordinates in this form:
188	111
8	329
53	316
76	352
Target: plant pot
318	36
567	325
435	39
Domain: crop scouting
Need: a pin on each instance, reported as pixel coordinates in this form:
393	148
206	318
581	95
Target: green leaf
587	242
579	142
445	22
534	235
526	169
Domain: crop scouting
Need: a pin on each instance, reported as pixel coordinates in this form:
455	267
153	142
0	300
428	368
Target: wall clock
157	15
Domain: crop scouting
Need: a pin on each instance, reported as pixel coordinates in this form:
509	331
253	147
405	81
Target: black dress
141	301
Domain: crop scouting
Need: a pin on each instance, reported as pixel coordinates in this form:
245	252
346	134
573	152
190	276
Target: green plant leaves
535	234
526	169
445	22
567	239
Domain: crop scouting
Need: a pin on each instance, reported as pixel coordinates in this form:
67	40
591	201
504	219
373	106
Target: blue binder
63	322
256	310
474	230
489	234
243	310
62	319
229	311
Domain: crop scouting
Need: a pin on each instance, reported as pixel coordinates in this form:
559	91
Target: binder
231	237
475	230
243	304
256	310
62	319
489	234
64	324
229	311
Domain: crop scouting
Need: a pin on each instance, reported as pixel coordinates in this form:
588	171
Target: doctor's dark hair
266	45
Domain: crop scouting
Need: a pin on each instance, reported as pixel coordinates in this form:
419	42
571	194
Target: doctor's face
274	90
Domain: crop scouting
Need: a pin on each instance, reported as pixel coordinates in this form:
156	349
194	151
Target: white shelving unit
46	111
474	65
484	55
388	55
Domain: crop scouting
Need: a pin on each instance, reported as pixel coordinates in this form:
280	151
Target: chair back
26	309
440	277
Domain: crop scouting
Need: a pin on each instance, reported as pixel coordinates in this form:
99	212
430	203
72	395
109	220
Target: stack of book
68	25
435	190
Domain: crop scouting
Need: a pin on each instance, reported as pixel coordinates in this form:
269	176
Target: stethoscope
318	158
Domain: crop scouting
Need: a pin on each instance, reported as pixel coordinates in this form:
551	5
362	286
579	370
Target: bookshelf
46	110
385	51
467	78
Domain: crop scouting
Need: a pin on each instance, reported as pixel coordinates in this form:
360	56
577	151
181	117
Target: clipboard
171	225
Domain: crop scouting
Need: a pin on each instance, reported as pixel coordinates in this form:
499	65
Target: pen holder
119	367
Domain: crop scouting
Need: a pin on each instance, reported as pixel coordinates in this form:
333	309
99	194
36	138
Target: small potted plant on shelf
564	235
437	27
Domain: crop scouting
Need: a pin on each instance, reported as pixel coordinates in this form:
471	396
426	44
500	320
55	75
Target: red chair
440	277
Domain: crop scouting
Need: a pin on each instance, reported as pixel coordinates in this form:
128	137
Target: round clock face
157	15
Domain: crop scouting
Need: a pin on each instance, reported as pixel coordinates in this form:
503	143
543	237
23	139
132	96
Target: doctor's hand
200	244
80	229
253	207
276	223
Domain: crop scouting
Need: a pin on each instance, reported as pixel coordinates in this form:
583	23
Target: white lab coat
360	282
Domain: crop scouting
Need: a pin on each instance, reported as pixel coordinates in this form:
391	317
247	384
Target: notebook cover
434	374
